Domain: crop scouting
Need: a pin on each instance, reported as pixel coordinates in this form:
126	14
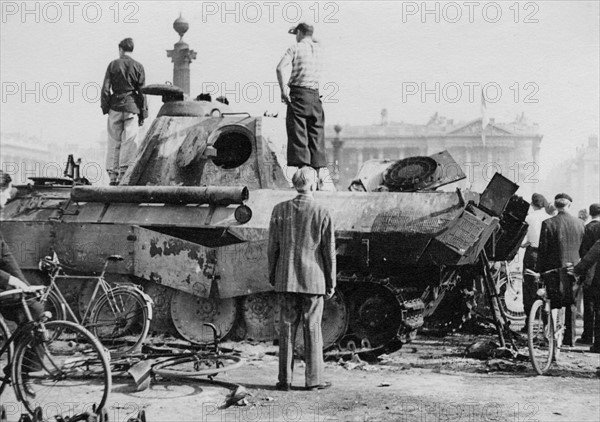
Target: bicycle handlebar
35	289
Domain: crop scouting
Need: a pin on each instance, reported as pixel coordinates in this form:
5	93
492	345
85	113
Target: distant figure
305	118
590	262
560	239
591	292
122	99
11	276
583	215
302	266
531	243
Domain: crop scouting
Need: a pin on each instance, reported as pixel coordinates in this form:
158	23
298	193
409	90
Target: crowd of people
556	239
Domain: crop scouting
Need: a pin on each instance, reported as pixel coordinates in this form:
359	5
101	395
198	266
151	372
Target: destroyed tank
191	220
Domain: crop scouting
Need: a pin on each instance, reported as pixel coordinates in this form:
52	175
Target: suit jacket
301	247
8	265
560	239
588	261
590	236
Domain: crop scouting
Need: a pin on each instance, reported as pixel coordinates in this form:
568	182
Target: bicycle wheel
121	319
511	298
4	336
540	337
61	368
54	305
196	366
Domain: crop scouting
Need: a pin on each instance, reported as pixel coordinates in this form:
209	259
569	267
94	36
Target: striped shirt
306	64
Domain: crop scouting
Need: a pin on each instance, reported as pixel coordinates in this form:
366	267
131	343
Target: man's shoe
322	386
583	340
283	387
595	349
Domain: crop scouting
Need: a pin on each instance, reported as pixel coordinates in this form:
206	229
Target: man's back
126	76
302	249
306	64
560	239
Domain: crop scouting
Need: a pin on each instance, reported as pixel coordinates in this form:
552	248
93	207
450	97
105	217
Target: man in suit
302	265
560	238
11	276
590	236
590	263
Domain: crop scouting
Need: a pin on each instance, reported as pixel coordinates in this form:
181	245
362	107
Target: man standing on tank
302	265
305	118
122	100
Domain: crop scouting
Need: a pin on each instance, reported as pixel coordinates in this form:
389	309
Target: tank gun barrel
214	195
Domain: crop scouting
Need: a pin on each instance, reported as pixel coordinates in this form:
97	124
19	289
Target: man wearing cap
560	239
305	118
302	262
590	299
122	100
531	242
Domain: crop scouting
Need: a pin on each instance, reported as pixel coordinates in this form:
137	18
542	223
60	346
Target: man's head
562	201
302	30
5	188
538	201
595	210
305	179
126	45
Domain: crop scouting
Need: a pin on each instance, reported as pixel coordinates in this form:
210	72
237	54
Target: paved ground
428	380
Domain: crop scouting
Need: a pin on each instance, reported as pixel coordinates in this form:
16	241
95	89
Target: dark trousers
296	307
305	122
589	316
529	284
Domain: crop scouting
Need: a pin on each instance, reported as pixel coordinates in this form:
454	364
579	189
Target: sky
412	58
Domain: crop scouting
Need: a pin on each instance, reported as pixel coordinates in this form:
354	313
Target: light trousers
296	307
122	142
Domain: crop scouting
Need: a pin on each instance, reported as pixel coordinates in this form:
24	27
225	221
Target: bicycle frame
101	283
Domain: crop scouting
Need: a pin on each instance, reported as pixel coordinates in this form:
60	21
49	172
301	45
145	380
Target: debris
237	398
482	349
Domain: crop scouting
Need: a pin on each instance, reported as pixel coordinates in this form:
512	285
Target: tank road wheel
375	313
259	316
333	325
190	312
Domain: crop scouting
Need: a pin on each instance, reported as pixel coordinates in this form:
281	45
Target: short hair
304	178
594	210
561	203
5	180
538	200
126	45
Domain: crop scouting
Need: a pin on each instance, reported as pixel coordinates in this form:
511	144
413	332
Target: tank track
406	301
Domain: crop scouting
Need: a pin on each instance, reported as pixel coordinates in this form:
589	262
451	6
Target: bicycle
50	363
118	316
545	327
191	363
509	291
